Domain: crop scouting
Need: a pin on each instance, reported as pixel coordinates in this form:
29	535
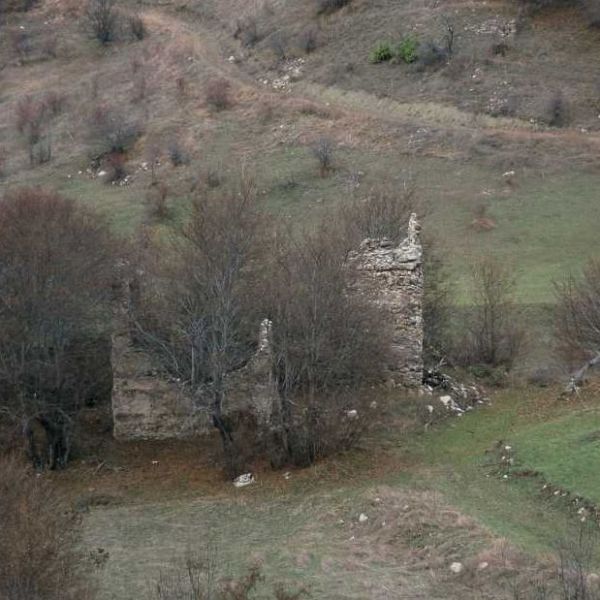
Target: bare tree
577	322
218	93
328	342
55	274
197	316
494	333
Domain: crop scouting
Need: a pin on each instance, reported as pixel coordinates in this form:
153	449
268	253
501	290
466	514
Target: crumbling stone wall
147	405
392	275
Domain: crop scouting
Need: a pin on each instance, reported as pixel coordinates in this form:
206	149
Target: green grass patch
566	451
563	446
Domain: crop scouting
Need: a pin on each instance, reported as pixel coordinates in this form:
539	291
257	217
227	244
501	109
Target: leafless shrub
591	10
3	161
214	177
278	43
22	45
54	103
50	45
329	6
431	54
153	154
555	112
323	151
102	18
576	557
309	40
140	87
137	27
42	153
246	30
157	201
111	131
217	94
178	154
577	315
38	555
51	311
384	213
117	169
181	85
199	579
449	37
17	6
31	118
494	333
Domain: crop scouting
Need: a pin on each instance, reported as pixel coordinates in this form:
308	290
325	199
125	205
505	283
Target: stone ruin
149	406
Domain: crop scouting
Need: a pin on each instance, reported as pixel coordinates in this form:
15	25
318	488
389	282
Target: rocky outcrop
392	276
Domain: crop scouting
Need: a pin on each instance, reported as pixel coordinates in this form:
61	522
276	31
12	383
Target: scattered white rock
482	566
363	518
244	480
457	567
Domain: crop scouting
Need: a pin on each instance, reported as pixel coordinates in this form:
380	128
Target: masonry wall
392	276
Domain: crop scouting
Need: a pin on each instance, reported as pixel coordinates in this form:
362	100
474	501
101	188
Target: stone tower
392	275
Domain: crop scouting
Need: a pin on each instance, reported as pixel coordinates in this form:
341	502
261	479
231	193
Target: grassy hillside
389	122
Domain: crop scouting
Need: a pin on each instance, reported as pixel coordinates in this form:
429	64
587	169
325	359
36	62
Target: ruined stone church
148	406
